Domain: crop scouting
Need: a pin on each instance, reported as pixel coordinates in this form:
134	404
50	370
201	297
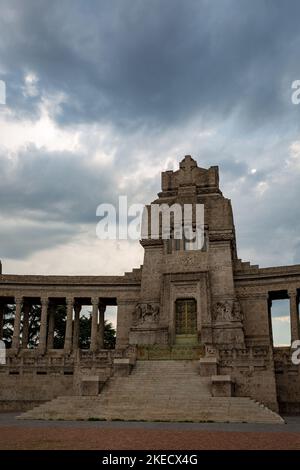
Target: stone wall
20	392
32	379
252	371
29	379
287	381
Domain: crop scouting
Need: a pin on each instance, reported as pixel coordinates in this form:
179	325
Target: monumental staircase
156	390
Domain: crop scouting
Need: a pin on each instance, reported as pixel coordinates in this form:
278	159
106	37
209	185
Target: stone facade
222	303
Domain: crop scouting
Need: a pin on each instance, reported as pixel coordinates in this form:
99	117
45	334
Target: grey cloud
22	241
53	194
270	224
155	67
156	63
53	186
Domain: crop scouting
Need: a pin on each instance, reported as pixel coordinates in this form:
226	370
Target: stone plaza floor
101	435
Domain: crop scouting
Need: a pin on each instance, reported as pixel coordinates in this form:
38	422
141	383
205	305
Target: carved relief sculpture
146	313
227	310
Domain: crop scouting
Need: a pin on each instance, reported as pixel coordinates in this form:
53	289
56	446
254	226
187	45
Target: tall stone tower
187	293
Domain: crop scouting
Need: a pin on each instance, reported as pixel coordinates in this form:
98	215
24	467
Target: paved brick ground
25	435
24	438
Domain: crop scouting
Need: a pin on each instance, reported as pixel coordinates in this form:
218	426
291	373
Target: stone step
166	408
158	415
156	391
167	386
201	401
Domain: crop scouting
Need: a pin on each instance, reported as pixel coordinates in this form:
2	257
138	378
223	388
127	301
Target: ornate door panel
186	317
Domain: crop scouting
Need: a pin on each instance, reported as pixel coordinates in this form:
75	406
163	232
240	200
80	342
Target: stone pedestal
229	333
91	385
222	386
148	334
208	366
122	367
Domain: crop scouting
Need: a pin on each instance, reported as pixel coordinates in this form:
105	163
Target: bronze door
186	317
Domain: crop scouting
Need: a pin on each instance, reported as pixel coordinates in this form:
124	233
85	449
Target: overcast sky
104	95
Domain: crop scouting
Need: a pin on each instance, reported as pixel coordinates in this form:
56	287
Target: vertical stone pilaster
43	327
25	329
51	326
270	320
94	330
77	309
126	309
102	308
294	315
17	324
69	325
1	319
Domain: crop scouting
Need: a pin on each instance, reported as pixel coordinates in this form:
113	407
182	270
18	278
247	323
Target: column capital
95	301
44	301
70	301
19	299
292	293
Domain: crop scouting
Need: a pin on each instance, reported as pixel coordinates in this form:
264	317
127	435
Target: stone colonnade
47	324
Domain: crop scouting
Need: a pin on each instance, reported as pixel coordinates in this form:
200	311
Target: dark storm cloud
45	197
149	69
21	241
156	62
268	224
57	186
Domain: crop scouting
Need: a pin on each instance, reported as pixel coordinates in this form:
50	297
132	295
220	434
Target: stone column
25	329
77	309
294	313
1	319
17	324
102	308
69	325
43	327
94	332
51	326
